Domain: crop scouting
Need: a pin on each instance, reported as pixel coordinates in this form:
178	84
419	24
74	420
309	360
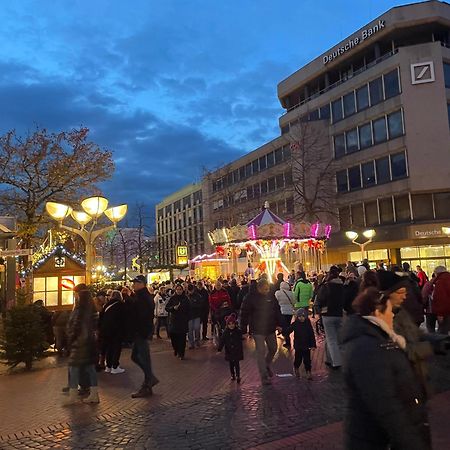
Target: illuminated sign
353	42
182	255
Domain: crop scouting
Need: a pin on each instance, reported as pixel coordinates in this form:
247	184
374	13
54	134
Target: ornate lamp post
93	208
353	236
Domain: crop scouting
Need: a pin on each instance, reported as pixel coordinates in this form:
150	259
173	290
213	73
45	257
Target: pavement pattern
195	406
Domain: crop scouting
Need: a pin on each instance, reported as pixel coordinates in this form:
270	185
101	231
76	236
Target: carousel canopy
265	217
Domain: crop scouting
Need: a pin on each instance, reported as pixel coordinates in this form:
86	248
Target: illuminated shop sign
353	42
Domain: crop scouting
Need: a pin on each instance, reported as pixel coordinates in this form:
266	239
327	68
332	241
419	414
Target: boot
144	391
72	399
93	396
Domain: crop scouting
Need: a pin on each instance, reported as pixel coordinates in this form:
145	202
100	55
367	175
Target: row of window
371	173
271	184
187	202
395	209
194	234
258	165
370	94
375	132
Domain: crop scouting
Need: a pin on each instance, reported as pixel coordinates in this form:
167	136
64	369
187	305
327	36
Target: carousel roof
266	216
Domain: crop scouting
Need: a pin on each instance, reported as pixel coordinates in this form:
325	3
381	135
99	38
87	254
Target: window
336	108
314	115
248	170
341	181
386	212
398	165
278	155
288	178
280	181
354	178
344	218
447	75
285	129
325	112
286	152
46	288
264	187
448	113
349	104
339	145
255	166
441	202
235	176
270	159
371	210
376	91
358	215
368	174
391	84
362	98
395	124
187	202
271	183
351	138
379	130
256	190
402	209
290	205
383	172
242	173
262	163
365	135
177	204
422	206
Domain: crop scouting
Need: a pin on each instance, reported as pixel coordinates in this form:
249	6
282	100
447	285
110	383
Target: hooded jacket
285	299
386	405
303	292
330	298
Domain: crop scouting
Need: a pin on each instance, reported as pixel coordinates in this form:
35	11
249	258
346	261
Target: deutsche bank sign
351	43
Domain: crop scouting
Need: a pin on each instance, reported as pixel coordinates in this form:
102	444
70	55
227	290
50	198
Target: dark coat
205	301
441	295
234	295
351	289
143	313
195	305
243	291
232	341
178	318
261	314
330	298
303	334
82	343
385	403
111	320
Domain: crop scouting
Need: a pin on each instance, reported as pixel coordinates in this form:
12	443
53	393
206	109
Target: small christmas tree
22	338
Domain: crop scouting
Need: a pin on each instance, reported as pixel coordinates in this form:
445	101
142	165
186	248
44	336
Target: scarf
397	338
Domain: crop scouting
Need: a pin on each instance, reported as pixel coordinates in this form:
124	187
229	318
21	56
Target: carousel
269	243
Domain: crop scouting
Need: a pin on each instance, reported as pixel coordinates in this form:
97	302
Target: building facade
383	93
180	221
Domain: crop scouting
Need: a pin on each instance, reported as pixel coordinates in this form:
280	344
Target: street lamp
93	208
353	236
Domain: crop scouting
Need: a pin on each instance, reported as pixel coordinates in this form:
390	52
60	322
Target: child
232	341
304	341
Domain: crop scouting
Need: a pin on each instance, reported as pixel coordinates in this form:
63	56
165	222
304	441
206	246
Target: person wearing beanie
231	339
285	299
304	342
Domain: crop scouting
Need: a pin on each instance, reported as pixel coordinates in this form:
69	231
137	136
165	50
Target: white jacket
285	299
160	305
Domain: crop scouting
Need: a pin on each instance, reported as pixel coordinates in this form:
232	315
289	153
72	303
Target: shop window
278	155
368	174
336	108
402	209
371	211
383	172
398	166
447	75
362	97
46	289
379	130
365	136
431	251
441	205
339	145
376	91
395	124
341	181
270	159
357	215
409	252
351	138
391	84
354	178
325	112
349	104
422	206
386	211
262	163
344	218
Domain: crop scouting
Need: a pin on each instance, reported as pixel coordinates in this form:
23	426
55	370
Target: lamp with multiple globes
368	234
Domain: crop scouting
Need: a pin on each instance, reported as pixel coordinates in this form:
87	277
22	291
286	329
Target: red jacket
441	295
422	278
217	298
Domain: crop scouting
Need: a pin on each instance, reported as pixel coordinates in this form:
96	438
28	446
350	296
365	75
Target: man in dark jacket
262	313
144	311
205	309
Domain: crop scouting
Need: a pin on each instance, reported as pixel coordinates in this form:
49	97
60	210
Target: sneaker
108	369
117	370
144	391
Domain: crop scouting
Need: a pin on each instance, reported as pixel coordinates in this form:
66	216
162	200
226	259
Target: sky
172	87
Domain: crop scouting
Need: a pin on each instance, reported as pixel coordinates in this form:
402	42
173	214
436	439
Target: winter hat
231	319
302	312
390	281
285	286
361	270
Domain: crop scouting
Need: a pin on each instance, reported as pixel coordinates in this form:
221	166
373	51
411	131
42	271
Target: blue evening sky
171	86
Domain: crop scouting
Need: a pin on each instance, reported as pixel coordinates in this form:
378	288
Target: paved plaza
195	406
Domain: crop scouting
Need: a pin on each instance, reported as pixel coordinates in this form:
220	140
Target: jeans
140	355
194	331
265	356
235	369
332	326
113	350
75	372
305	356
161	321
204	321
178	343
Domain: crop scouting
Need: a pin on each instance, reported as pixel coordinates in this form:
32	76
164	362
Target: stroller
224	310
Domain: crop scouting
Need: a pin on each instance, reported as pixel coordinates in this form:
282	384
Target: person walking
303	292
385	405
143	315
178	309
261	313
205	309
195	313
285	299
161	299
422	276
441	299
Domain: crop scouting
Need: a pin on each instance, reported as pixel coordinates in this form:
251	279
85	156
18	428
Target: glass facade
427	256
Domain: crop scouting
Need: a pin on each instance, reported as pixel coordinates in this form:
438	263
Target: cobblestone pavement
194	407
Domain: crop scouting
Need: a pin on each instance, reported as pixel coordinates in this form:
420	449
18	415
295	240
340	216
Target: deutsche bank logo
422	72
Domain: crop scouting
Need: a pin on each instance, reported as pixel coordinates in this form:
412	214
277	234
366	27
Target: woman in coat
178	309
386	404
285	299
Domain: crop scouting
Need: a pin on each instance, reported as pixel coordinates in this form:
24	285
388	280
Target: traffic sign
17	252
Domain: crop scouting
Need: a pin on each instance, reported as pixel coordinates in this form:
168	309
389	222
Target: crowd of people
371	321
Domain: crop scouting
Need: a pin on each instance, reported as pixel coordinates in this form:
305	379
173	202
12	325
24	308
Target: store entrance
428	257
